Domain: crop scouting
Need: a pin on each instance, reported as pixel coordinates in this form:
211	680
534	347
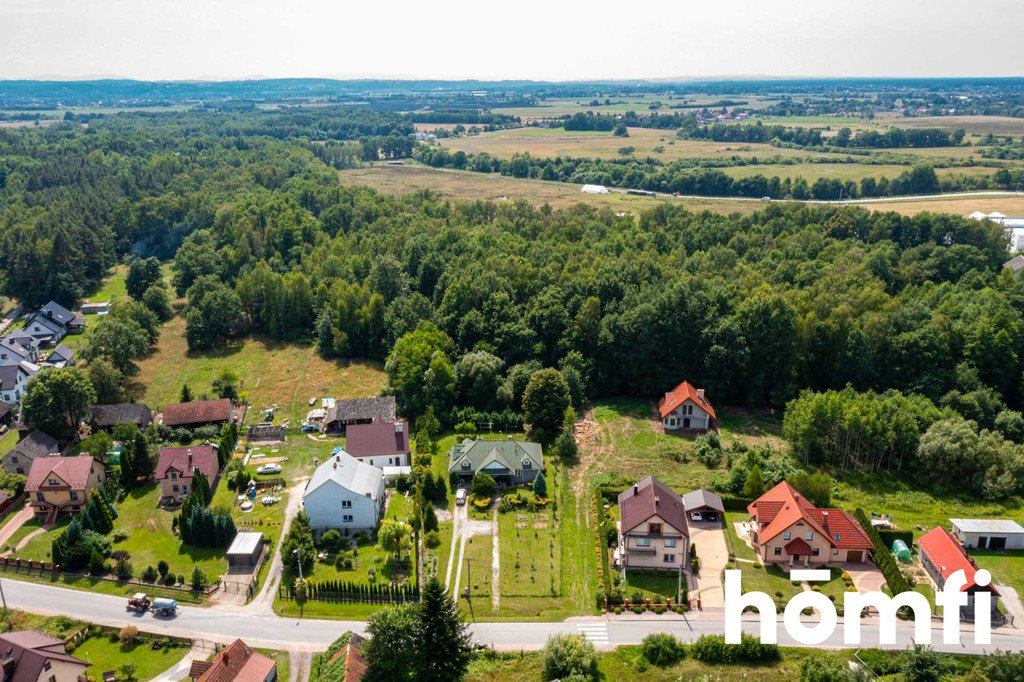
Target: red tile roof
377	438
74	471
185	460
238	663
948	556
798	547
355	664
782	506
197	412
648	498
679	395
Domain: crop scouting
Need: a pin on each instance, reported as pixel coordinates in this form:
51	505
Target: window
835	552
184	488
465	464
391	460
46	666
643	542
527	464
778	551
14	458
174	476
787	535
174	488
654	528
346	504
809	535
74	495
52	481
669	558
670	543
816	551
347	518
836	537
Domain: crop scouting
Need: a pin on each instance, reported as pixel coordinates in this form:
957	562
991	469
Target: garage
855	555
245	550
703	506
991	534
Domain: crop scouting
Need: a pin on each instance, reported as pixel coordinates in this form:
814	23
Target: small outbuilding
245	550
998	534
703	505
594	189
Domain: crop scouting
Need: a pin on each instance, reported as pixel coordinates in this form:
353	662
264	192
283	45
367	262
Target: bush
662	649
465	429
331	539
483	485
127	634
566	656
170	579
124	569
127	669
149	575
432	540
120	536
162	567
198	579
713	649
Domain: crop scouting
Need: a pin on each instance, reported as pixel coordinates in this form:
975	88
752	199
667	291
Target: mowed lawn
105	654
1007	568
270	373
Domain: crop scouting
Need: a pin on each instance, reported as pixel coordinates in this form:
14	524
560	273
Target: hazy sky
550	40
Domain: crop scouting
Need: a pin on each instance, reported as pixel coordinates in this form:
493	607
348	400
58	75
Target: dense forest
466	301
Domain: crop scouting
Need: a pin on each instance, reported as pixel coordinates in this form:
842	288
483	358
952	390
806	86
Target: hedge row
890	536
345	591
883	557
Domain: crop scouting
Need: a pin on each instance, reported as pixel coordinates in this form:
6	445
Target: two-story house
380	444
14	380
686	408
509	462
18	346
176	468
653	532
34	656
345	494
52	323
61	485
33	446
788	529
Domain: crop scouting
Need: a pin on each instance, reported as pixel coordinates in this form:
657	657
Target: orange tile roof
238	663
783	505
948	556
679	395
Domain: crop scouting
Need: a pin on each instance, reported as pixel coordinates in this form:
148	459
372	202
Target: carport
703	505
245	550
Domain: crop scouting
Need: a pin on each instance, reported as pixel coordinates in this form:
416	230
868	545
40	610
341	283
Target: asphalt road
315	635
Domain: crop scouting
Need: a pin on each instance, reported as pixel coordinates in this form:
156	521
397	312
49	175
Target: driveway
16	521
709	539
866	576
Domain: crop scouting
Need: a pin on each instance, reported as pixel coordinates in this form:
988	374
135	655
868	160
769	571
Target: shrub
149	575
432	540
162	567
120	536
658	610
618	610
127	669
465	428
170	579
846	576
483	485
198	579
569	656
662	649
638	610
331	539
127	634
713	649
124	569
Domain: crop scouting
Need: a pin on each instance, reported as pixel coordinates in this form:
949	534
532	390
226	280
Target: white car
460	496
269	469
696	516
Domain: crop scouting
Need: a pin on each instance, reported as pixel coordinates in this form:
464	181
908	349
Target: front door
686	422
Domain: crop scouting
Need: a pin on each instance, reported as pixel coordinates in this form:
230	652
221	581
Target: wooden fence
30	567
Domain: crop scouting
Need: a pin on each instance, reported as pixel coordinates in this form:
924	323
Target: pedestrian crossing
595	632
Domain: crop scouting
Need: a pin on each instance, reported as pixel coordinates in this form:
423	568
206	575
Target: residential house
1015	264
61	485
343	413
653	532
941	555
18	346
52	323
106	417
788	529
509	462
6	414
176	467
686	408
34	656
703	505
380	444
352	655
14	380
199	413
997	534
345	494
33	446
236	663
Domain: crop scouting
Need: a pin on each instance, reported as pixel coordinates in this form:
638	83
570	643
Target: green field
271	373
1007	567
104	654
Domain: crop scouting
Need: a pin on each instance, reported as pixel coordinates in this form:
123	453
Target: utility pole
469	577
298	562
679	581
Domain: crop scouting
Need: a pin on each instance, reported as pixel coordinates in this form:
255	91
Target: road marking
595	632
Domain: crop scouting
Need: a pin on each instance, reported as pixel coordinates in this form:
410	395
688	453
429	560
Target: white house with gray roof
997	534
508	462
345	494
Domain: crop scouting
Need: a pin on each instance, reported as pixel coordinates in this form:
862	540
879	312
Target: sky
526	39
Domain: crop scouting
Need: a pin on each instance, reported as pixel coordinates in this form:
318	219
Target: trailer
165	606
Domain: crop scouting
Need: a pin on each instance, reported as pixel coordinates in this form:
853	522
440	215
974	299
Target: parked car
697	516
460	496
269	469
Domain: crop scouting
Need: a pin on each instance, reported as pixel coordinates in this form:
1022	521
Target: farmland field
270	372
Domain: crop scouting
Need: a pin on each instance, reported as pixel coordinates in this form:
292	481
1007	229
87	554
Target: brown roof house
34	656
237	663
59	485
106	417
176	467
358	411
33	446
379	444
199	413
653	532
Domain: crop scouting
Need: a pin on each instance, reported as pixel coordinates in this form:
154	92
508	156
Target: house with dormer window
177	466
509	462
686	408
653	531
61	485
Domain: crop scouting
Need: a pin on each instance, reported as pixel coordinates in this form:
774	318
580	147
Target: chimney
226	659
636	489
700	393
399	427
657	501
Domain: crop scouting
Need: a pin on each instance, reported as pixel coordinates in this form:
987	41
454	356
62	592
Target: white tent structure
594	189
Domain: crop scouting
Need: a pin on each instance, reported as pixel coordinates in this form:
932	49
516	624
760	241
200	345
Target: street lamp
298	561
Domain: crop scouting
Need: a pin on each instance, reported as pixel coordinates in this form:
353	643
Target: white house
14	379
594	189
345	494
988	533
686	408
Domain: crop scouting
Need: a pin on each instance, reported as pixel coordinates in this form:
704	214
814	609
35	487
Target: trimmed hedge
883	556
890	536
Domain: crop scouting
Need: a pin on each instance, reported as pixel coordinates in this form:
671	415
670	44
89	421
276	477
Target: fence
46	568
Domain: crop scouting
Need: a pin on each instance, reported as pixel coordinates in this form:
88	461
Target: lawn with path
104	653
